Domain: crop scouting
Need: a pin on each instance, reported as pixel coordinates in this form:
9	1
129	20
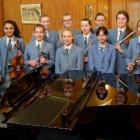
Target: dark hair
102	28
100	14
89	21
123	12
16	29
86	19
39	25
128	29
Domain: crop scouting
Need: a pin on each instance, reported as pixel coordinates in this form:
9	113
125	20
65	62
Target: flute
120	42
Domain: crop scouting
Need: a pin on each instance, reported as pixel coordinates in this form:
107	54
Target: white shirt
13	42
87	36
118	34
68	47
47	33
102	45
39	43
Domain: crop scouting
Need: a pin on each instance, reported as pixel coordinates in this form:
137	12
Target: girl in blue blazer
8	50
102	55
118	34
133	60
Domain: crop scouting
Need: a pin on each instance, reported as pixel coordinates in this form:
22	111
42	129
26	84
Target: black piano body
55	103
73	105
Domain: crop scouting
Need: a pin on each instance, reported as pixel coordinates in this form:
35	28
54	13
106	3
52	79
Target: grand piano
76	105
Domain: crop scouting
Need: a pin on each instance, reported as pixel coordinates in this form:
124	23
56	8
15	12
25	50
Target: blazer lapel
137	45
90	41
105	50
115	34
4	42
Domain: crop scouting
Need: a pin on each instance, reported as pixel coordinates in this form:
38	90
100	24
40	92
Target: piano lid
59	102
20	88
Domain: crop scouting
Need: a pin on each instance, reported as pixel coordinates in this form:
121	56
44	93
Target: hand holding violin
33	63
19	53
43	60
130	66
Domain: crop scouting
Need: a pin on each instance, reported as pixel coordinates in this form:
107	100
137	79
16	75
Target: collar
7	38
39	43
68	47
47	33
87	36
121	29
102	45
12	40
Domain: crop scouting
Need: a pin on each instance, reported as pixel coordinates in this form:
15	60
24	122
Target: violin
18	64
44	70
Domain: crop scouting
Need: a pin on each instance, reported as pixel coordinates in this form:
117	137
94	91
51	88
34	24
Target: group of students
71	49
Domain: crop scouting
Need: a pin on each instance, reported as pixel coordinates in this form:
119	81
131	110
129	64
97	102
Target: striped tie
85	41
120	35
9	46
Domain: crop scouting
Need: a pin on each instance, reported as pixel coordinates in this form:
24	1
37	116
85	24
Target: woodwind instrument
129	35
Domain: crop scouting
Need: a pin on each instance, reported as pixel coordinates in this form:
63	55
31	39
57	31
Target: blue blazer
31	53
105	62
3	52
79	41
71	61
133	52
94	30
121	66
53	39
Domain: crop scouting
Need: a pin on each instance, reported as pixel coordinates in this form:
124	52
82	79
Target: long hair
16	29
128	29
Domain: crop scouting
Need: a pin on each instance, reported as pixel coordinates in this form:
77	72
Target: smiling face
67	37
100	20
85	27
9	30
45	21
102	37
67	21
39	33
121	20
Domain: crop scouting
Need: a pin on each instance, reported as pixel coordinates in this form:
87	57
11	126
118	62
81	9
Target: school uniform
133	53
102	59
8	50
68	59
114	37
32	52
85	42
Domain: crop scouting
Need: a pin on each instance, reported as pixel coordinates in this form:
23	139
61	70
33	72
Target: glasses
67	20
